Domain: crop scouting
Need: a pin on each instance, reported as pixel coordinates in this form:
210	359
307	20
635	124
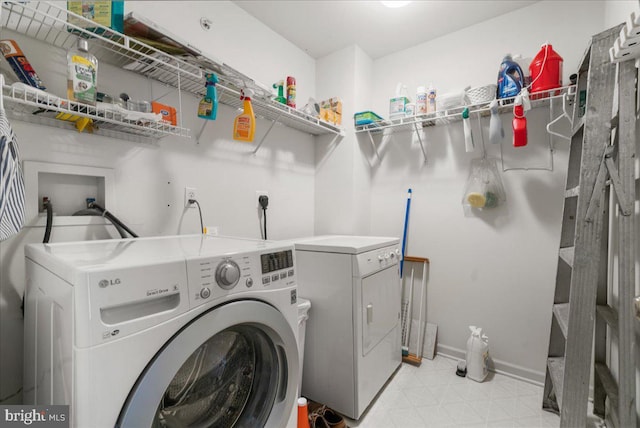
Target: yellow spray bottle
244	126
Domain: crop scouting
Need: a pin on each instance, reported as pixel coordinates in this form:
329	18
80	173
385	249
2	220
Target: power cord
195	201
263	200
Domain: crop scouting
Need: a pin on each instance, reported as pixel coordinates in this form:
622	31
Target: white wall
495	270
342	177
150	178
617	11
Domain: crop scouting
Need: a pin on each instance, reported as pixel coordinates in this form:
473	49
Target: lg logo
107	282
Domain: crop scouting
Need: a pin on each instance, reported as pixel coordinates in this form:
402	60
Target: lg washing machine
163	332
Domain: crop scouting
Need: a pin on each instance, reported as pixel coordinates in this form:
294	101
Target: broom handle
404	233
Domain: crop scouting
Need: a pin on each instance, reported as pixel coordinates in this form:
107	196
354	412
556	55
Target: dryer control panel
214	277
375	260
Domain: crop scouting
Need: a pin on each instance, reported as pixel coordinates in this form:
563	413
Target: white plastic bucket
303	314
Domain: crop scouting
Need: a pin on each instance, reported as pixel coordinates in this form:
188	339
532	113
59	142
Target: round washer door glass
230	380
233	366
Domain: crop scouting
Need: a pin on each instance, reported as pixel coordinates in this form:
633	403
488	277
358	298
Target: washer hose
112	218
47	228
95	212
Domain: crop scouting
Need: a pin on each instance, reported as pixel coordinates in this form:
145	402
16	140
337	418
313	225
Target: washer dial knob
227	274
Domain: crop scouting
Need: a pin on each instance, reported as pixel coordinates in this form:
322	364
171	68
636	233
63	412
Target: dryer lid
345	244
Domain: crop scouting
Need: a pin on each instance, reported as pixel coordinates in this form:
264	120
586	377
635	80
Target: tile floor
433	396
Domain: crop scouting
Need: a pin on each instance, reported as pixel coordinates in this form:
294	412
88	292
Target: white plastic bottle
398	103
477	355
421	100
82	74
431	99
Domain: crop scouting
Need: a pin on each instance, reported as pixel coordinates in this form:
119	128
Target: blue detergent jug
510	78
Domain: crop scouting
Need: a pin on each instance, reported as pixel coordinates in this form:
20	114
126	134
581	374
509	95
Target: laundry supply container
477	355
303	314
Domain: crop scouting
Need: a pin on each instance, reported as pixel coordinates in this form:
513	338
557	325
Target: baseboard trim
497	366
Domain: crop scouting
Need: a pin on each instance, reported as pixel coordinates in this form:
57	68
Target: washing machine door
234	366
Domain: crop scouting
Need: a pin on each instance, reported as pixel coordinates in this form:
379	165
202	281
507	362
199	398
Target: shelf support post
373	145
273	122
424	153
206	121
335	138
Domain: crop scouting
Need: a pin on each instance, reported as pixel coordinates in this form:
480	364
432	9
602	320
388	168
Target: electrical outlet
190	193
260	193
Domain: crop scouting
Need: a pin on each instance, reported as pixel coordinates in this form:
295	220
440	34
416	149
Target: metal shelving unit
30	105
446	117
48	23
276	113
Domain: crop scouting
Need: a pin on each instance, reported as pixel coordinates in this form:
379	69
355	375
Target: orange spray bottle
244	126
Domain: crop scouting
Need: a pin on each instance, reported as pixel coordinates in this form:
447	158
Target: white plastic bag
484	188
477	355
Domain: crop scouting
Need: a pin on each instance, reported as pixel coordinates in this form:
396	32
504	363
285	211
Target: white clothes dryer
352	339
163	332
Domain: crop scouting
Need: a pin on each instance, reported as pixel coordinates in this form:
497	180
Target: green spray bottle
208	107
280	98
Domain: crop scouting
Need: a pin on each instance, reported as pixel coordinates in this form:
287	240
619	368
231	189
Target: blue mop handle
404	233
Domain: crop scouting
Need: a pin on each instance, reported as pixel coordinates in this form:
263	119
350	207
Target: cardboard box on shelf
106	13
168	113
331	110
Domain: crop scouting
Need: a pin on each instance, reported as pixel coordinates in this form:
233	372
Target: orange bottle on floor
303	413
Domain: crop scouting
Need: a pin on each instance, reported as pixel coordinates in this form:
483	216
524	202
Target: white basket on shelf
482	94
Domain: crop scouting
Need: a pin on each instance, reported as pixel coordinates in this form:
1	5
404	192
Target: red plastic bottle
519	124
546	69
291	91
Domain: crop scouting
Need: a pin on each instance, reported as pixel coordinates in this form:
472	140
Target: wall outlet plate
190	193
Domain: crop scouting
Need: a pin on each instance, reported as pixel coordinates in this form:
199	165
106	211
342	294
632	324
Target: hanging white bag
477	355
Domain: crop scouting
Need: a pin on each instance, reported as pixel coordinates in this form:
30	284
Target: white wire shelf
411	123
36	106
48	23
275	111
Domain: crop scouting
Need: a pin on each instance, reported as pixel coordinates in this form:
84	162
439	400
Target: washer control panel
277	267
227	274
213	277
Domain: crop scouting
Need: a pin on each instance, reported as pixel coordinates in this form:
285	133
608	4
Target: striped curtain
11	181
